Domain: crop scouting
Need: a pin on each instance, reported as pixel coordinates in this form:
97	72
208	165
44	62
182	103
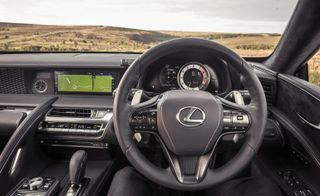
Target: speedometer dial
194	76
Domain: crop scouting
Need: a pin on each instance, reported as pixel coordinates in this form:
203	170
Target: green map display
84	83
102	84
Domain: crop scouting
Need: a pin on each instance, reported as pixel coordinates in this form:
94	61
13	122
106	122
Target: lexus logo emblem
191	116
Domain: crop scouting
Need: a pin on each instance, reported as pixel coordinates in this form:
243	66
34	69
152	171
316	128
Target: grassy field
314	69
28	37
24	37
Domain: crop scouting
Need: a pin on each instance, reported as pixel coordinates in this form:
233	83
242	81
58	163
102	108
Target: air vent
70	112
269	88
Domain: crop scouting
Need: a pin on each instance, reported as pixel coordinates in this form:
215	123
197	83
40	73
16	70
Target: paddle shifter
77	167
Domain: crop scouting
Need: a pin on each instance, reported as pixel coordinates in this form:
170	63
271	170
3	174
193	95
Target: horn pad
189	122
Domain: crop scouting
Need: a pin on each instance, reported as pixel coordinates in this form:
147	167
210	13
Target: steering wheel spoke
190	169
185	168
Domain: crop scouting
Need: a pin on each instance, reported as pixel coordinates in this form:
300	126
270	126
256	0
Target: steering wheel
189	124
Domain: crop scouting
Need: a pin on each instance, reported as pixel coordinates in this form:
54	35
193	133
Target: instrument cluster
189	76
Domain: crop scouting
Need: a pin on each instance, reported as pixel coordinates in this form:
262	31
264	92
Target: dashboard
99	74
83	84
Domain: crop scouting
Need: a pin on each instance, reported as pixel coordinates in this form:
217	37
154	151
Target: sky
245	16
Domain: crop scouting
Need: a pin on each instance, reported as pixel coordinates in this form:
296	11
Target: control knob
35	183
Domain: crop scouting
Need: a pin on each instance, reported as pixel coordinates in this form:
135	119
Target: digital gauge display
168	77
193	76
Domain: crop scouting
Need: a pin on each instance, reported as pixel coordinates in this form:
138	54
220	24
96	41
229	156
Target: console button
25	185
52	125
19	194
295	184
45	125
60	125
46	186
96	127
81	126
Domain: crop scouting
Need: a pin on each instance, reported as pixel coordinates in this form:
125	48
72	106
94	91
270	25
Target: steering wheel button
239	117
152	121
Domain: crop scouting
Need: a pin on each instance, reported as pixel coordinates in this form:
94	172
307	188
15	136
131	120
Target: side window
314	69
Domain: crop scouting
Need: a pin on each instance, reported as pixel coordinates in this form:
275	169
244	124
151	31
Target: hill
37	38
29	37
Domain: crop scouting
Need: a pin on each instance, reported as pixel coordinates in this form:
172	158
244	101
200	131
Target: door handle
317	127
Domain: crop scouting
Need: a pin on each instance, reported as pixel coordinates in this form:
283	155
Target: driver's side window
314	69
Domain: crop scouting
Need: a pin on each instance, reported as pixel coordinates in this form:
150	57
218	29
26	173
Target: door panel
9	121
300	101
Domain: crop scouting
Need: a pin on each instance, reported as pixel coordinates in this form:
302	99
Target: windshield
250	27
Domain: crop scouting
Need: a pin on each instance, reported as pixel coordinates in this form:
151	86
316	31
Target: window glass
252	28
314	69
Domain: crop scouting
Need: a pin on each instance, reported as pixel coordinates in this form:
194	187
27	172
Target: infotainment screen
88	82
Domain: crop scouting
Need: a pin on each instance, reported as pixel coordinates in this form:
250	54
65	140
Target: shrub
255	47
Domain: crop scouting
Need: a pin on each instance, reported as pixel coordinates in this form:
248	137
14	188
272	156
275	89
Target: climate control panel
75	122
70	128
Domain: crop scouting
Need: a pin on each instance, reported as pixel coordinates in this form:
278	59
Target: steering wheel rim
166	177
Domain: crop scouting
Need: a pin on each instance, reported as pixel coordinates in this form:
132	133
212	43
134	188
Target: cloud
190	15
259	10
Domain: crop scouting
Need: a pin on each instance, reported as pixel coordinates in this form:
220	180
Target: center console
50	186
37	186
68	108
75	123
